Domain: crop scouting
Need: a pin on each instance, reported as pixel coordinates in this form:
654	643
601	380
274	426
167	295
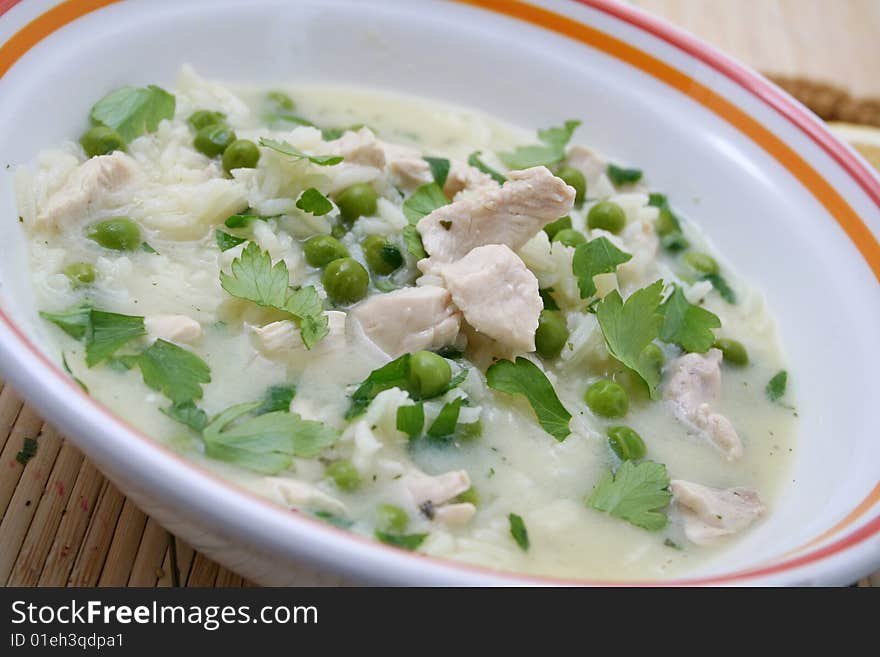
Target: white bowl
792	208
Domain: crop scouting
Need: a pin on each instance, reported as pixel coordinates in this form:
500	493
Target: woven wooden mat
63	523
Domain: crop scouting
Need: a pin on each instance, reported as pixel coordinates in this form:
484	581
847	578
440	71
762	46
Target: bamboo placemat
63	523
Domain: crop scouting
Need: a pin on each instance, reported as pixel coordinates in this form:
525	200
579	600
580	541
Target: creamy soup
413	321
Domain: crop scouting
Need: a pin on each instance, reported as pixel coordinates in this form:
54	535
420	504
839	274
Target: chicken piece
302	495
710	513
695	384
86	187
359	147
406	166
409	319
437	489
497	294
463	176
176	328
511	215
282	337
587	162
455	514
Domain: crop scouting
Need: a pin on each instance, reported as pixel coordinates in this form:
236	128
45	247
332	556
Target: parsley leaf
518	531
424	201
242	219
226	241
108	332
411	419
256	279
775	388
439	169
475	161
75	321
72	375
276	398
286	149
721	287
635	493
330	134
28	451
314	202
413	242
187	413
525	378
550	151
265	443
333	519
630	327
687	325
621	176
146	247
405	541
134	111
668	226
444	424
173	371
598	256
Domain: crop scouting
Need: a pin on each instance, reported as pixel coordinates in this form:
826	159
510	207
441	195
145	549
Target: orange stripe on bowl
42	26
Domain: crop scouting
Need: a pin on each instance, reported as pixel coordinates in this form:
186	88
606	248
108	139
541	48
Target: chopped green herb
598	256
672	544
635	493
550	151
687	325
444	424
621	176
330	134
391	375
28	451
630	327
75	322
411	419
134	111
226	241
518	531
242	219
187	413
314	202
72	375
424	201
547	299
413	242
439	169
776	386
109	332
404	541
173	371
333	519
475	161
721	287
286	149
149	249
525	378
256	279
265	443
277	398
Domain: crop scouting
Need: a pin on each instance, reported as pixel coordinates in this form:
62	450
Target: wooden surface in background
64	523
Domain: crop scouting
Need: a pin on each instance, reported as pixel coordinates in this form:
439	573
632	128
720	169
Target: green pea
555	226
552	334
280	100
381	256
203	118
118	233
321	250
429	374
666	222
470	496
607	399
390	518
338	230
80	273
213	139
345	281
569	237
607	216
344	475
101	140
626	443
575	178
701	262
733	351
359	200
651	358
241	154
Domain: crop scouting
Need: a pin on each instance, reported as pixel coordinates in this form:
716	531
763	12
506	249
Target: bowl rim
25	353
